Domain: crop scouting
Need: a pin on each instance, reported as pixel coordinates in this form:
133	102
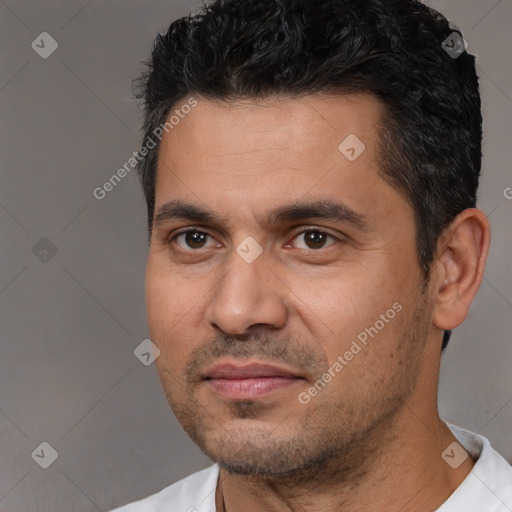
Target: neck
397	465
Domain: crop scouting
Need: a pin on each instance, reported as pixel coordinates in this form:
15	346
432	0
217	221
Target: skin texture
373	430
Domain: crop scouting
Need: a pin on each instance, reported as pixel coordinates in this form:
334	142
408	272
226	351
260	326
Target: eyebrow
325	209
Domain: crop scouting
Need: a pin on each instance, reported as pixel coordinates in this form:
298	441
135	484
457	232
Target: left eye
314	239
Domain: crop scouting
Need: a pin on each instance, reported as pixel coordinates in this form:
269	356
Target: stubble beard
322	445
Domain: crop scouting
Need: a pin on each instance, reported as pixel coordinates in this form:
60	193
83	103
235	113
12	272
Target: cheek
166	301
357	315
341	302
171	304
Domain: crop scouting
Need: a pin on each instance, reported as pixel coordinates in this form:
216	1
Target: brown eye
192	239
314	239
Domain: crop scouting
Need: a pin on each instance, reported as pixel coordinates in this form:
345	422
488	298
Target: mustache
261	346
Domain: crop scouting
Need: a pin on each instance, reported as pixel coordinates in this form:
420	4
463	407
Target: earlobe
460	264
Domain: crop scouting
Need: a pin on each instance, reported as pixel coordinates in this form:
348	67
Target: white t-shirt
488	488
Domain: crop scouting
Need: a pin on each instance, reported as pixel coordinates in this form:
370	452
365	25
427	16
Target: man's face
253	308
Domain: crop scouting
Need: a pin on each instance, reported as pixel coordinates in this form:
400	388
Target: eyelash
196	230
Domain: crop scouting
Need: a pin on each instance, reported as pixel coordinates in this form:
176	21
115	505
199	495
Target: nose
247	295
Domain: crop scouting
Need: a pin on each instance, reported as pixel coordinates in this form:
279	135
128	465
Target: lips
247	371
248	381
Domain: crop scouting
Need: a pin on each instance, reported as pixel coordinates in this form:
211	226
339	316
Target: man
310	170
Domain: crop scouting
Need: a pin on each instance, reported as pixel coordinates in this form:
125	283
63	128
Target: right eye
191	239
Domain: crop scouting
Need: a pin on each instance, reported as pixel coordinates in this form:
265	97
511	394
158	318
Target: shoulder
195	493
488	487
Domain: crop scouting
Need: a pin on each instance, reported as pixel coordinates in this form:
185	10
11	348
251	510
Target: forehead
245	154
312	125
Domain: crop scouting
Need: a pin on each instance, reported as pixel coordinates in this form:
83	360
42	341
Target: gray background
69	325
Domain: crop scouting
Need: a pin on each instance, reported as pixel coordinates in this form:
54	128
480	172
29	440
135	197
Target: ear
459	267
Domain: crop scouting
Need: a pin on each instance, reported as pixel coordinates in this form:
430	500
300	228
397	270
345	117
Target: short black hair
397	50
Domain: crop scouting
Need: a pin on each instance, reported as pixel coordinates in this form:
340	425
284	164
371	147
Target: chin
261	452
